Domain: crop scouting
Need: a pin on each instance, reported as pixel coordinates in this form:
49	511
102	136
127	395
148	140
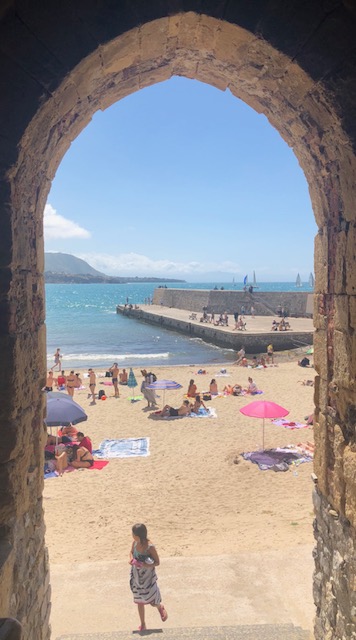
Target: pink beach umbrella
264	409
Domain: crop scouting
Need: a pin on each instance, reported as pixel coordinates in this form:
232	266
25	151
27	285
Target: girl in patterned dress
143	579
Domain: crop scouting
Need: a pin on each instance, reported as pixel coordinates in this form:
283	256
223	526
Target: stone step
249	632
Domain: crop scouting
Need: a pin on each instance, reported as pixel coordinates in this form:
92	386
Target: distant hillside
70	265
64	268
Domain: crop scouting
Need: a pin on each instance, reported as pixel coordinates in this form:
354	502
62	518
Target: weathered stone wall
335	572
265	303
62	61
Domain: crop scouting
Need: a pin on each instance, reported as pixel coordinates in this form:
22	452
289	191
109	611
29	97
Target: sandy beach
194	491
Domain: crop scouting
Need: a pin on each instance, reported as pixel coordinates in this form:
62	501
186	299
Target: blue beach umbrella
164	384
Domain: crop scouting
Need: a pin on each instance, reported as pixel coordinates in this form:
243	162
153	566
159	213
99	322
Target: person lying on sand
169	411
82	459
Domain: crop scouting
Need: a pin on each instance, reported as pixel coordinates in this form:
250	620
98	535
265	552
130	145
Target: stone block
350	485
231	44
121	53
321	453
207	34
341	316
321	353
344	365
340	257
154	75
187	34
153	38
321	248
351	261
337	485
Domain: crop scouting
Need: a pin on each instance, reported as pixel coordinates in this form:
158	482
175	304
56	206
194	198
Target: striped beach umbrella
164	384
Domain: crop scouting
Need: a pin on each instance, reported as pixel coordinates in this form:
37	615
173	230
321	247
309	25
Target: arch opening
311	115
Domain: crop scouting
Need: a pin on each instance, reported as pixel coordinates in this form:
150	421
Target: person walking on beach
92	384
57	360
115	379
143	579
270	354
71	383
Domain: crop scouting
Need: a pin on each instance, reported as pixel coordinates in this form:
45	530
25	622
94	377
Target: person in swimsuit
192	389
123	377
115	378
198	404
144	559
49	382
184	410
83	459
57	360
213	388
92	384
71	383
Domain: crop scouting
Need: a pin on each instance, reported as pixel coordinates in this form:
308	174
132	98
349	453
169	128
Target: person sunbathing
123	377
252	387
83	459
227	390
213	388
192	389
171	412
237	390
198	404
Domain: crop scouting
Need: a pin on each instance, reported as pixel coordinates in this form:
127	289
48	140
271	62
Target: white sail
311	280
298	282
254	278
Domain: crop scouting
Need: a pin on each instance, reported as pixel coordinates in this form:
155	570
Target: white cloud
56	226
135	264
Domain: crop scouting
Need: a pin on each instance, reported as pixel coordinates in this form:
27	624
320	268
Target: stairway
249	632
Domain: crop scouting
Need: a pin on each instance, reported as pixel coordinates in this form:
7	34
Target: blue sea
82	320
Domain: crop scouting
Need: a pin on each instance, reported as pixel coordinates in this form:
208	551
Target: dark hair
191	381
213	380
140	530
197	398
80	433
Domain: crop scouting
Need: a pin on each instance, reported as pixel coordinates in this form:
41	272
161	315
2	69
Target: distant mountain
64	268
70	265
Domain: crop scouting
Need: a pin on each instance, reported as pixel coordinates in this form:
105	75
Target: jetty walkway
254	339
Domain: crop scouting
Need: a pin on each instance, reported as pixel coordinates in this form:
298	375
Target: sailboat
311	280
254	283
298	282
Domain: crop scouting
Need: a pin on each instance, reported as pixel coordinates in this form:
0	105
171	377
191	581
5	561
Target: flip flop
163	613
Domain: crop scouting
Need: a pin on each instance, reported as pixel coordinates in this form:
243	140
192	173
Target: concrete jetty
254	339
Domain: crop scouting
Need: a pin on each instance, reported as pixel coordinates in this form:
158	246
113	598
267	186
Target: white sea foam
91	357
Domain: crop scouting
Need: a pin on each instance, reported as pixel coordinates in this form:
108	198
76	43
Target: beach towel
98	464
281	422
125	448
210	413
277	459
203	413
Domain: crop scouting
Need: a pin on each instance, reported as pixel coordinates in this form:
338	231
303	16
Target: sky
181	180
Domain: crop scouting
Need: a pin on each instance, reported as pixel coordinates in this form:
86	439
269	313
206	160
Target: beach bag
101	394
108	374
206	396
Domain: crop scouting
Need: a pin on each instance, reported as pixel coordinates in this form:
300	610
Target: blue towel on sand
125	448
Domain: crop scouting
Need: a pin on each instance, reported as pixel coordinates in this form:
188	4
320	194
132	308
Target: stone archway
62	63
